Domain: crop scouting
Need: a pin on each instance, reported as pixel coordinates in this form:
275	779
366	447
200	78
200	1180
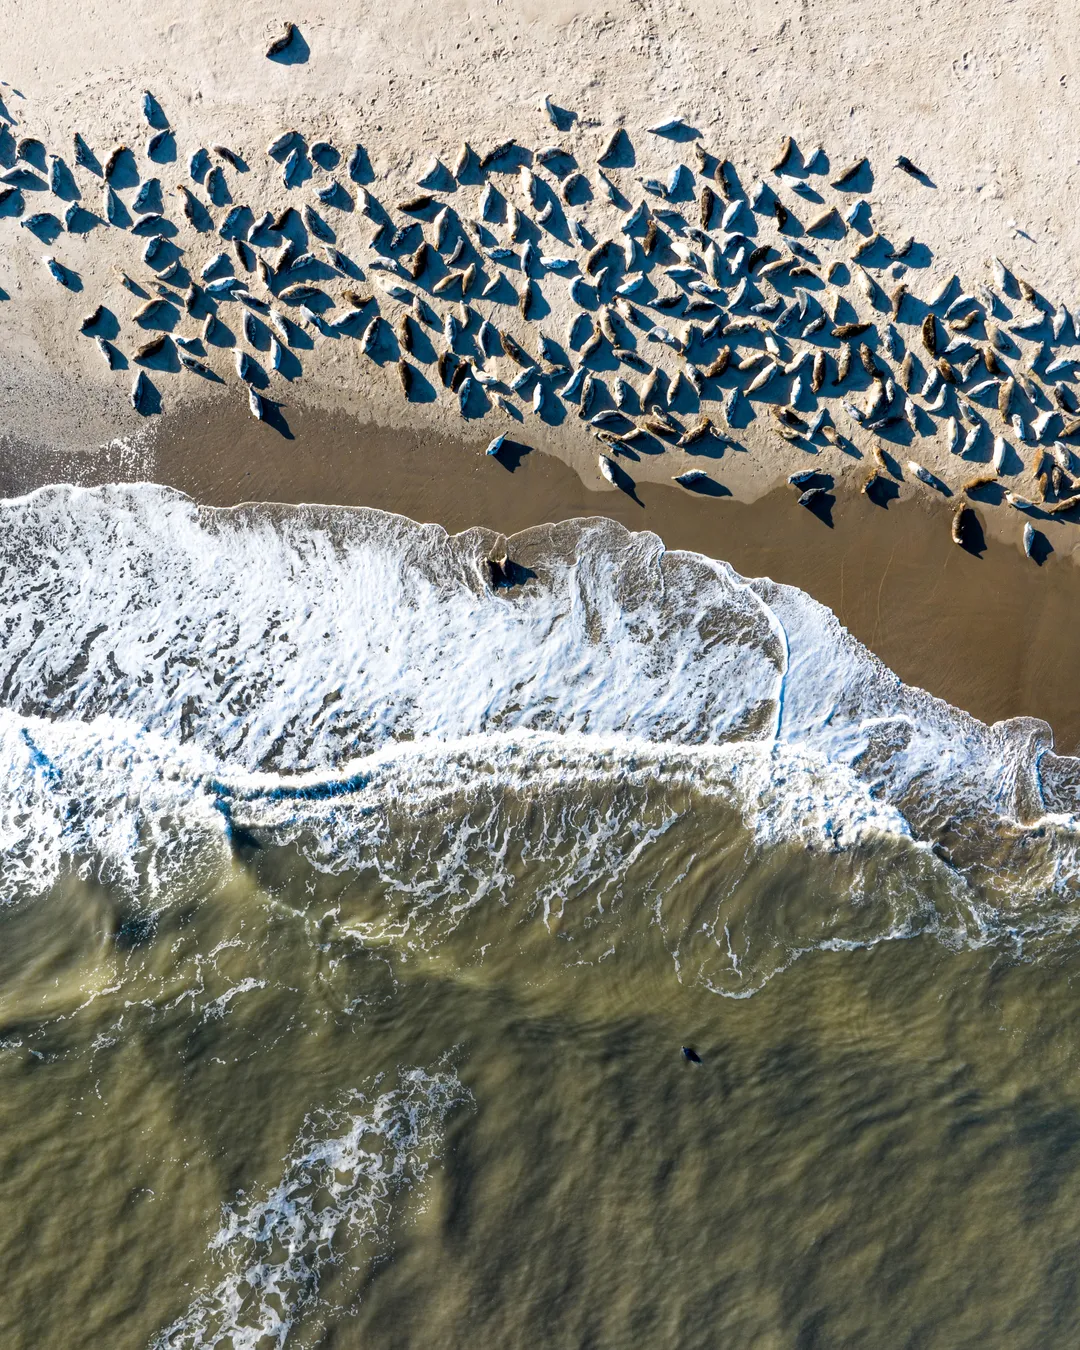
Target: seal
84	156
497	152
112	160
281	43
846	175
140	393
109	352
843	331
962	517
787	145
705	205
701	428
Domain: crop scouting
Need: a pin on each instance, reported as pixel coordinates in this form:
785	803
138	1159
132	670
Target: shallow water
356	915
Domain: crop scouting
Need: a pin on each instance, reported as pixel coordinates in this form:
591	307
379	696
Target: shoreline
991	634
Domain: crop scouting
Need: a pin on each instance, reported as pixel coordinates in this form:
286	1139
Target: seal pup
787	145
246	368
196	367
669	127
823	220
30	149
499	567
702	428
150	310
611	145
108	351
961	517
843	331
706	203
497	152
229	156
140	392
463	159
280	44
1005	394
84	156
846	175
56	270
112	160
871	481
923	474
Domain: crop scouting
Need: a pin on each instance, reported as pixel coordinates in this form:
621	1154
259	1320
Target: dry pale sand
983	96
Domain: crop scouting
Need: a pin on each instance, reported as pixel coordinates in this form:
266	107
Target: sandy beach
993	183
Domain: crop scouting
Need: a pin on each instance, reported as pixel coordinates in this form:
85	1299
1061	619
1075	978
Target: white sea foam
171	673
341	1184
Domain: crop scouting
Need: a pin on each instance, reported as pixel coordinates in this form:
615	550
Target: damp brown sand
993	634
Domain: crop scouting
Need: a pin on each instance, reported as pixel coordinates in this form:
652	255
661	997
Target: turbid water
357	912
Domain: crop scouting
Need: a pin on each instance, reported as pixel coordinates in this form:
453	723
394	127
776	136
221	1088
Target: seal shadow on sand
511	454
297	53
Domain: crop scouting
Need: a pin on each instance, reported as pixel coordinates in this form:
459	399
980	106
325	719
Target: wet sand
993	634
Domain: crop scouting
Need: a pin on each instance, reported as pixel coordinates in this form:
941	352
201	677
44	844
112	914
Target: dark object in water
691	1054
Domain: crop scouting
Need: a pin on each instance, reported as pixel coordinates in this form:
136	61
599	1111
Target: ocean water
355	913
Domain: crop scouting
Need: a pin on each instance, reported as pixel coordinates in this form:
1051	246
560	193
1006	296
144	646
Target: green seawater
397	1106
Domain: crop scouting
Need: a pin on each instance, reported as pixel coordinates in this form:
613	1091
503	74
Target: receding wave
178	680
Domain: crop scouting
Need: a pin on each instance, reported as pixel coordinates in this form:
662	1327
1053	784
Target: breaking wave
176	681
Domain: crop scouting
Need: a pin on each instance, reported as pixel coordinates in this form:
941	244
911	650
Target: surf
177	680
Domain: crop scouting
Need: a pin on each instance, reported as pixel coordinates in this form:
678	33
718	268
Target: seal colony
685	323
